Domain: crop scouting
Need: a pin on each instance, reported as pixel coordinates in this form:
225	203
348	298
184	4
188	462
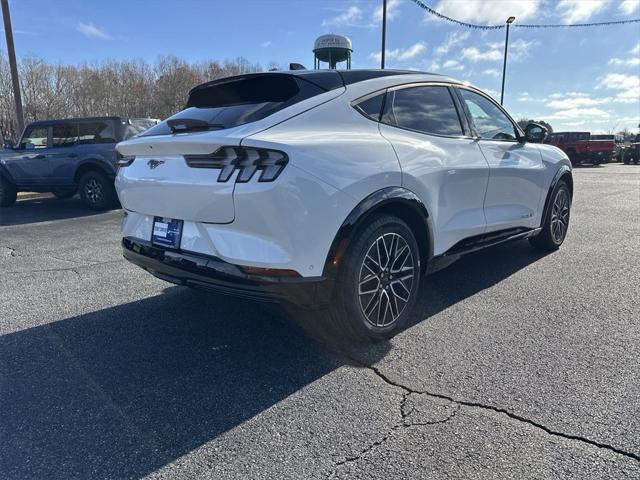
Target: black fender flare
4	173
95	164
374	202
562	172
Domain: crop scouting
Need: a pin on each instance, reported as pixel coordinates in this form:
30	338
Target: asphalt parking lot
519	364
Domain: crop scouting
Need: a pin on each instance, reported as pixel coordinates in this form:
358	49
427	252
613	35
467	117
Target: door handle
72	155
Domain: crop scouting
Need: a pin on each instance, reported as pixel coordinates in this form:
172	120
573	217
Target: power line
519	25
592	24
453	20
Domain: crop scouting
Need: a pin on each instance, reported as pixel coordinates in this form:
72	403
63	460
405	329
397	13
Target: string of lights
519	25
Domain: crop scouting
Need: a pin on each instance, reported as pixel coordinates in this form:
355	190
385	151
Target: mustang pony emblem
154	163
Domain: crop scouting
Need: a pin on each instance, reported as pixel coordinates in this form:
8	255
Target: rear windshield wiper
181	125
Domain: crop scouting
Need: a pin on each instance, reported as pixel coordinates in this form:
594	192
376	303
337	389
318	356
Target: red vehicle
582	147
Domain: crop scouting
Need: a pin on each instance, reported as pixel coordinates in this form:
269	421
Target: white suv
337	188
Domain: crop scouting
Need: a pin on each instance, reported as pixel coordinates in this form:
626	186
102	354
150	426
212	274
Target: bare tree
131	88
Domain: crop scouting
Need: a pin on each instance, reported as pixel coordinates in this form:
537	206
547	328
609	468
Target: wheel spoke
385	280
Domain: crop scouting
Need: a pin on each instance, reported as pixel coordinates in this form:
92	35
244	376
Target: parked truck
67	156
581	147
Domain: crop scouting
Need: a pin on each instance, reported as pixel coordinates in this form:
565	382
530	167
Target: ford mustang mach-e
336	188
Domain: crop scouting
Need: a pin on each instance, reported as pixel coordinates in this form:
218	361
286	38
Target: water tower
332	49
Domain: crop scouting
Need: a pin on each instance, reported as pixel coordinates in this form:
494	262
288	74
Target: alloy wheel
560	216
386	279
93	190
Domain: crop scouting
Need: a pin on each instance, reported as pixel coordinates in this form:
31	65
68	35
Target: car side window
372	107
428	109
36	137
64	135
96	132
491	123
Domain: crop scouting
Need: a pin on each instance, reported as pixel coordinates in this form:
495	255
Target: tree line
131	88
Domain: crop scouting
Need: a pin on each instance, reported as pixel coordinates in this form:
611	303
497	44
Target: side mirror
8	143
535	133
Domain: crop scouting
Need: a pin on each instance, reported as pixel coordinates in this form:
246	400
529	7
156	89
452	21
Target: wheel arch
92	164
4	173
396	201
563	173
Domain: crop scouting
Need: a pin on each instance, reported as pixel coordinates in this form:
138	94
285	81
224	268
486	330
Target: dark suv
64	156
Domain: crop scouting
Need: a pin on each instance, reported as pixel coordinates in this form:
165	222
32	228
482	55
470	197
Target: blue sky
574	78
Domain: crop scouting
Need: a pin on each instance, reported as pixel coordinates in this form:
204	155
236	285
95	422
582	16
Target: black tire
393	288
62	194
97	191
559	210
8	193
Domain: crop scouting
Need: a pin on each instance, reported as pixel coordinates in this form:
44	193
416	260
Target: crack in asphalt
514	416
64	269
401	424
12	251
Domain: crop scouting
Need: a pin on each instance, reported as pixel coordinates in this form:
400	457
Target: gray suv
67	156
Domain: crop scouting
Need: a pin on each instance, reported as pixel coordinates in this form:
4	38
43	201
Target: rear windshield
239	100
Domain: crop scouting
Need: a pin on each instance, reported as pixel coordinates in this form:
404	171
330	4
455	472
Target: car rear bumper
214	274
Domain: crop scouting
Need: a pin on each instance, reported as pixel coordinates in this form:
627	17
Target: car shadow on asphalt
123	391
43	209
464	278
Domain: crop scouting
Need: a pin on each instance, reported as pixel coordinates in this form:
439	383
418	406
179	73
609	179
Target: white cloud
635	50
392	10
627	86
89	30
491	72
266	44
408	53
520	48
625	62
453	39
433	67
494	51
487	11
476	55
577	102
629	6
577	113
349	18
453	65
413	51
573	11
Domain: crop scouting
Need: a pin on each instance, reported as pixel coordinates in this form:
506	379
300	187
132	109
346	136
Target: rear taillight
247	160
123	161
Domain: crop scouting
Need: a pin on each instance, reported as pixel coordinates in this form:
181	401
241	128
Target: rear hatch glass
235	101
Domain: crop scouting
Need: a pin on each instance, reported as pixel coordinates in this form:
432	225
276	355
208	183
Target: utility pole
384	32
13	65
504	65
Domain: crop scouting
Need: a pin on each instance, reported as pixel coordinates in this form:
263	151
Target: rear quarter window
64	135
102	131
371	107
